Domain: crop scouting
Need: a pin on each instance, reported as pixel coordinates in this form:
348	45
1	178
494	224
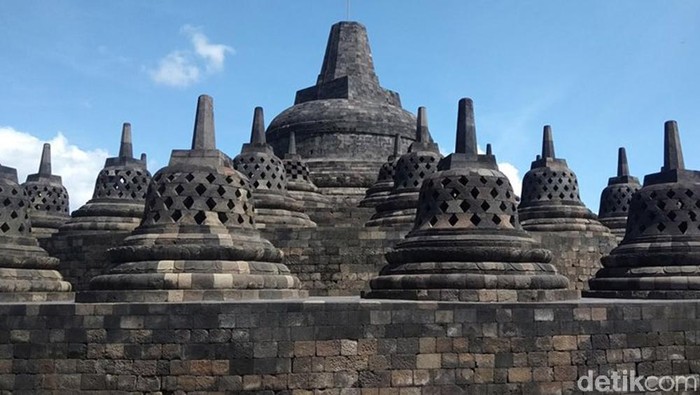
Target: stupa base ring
475	295
188	295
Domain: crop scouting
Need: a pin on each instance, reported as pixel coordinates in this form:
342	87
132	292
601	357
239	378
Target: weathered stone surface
105	220
27	273
380	191
299	183
467	243
615	198
273	204
197	239
660	254
399	207
47	197
346	123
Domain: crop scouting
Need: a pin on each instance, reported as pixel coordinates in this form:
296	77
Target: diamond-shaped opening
496	219
474	192
463	180
176	215
688	193
14	215
433	221
221	190
223	217
7	202
661	204
562	196
652	194
156	217
499	182
465	206
200	189
494	193
5	227
483	180
240	219
211	203
503	206
692	215
475	219
683	227
200	217
211	178
237	193
21	228
453	220
168	201
269	184
178	189
549	196
230	204
661	227
485	206
454	193
171	177
670	194
444	206
188	202
672	215
512	220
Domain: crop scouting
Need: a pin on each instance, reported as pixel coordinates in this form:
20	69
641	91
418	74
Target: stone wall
577	255
340	346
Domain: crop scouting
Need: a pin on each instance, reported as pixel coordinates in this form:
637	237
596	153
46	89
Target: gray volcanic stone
48	198
27	272
399	207
274	206
381	189
346	123
118	199
197	239
467	243
615	198
660	254
299	183
550	198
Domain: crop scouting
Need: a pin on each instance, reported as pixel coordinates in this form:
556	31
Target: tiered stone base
26	297
396	210
192	295
475	295
279	210
643	294
616	225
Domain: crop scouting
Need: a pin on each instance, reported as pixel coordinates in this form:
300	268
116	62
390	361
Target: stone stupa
197	239
27	272
345	124
467	243
274	206
615	198
48	198
382	187
399	208
299	184
105	220
659	257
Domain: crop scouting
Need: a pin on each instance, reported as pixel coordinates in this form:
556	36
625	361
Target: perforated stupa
381	189
615	198
299	183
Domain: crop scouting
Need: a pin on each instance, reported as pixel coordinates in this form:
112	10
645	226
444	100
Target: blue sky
603	73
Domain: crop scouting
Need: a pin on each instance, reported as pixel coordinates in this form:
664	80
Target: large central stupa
345	124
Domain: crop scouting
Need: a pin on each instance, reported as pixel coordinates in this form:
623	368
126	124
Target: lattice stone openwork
187	197
458	201
296	170
411	170
616	199
549	184
14	220
51	198
264	171
664	210
124	183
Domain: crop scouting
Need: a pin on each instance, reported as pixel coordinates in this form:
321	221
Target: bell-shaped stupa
345	124
381	189
273	204
299	183
118	198
550	198
399	208
659	256
467	243
197	239
27	272
615	198
48	198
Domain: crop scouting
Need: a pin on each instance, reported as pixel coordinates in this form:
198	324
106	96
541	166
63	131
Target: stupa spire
204	137
673	153
547	143
489	150
347	53
126	147
422	131
257	133
45	163
292	148
466	129
623	169
397	143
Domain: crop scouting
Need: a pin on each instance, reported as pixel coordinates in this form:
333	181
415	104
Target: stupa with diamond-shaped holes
467	243
659	257
273	204
399	208
299	183
48	198
381	189
197	239
615	198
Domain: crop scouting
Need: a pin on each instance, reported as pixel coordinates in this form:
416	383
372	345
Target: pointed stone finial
292	148
538	157
144	157
489	150
257	133
397	143
422	132
45	163
623	168
126	146
673	153
547	143
466	129
347	53
204	137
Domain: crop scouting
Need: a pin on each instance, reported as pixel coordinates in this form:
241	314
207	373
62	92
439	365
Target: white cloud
77	167
513	175
182	68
